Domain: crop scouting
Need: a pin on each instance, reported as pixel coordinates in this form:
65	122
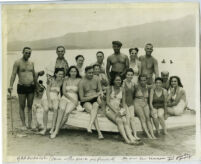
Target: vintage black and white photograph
101	80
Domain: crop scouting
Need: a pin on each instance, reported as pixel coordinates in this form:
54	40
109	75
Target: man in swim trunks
118	62
89	91
165	78
149	65
26	85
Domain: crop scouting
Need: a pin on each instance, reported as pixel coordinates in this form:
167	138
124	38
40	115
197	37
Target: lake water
184	63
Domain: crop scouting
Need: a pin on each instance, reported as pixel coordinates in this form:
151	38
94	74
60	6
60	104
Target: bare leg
127	129
69	108
162	120
93	113
154	114
30	98
118	121
45	116
132	121
55	113
141	116
148	120
22	103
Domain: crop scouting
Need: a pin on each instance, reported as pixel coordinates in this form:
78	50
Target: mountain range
169	33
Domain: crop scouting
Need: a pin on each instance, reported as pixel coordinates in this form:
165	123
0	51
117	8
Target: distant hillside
169	33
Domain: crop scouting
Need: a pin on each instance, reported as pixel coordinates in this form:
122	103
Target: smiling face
158	84
59	75
73	73
116	48
143	81
80	61
133	54
129	76
174	82
89	73
148	49
100	57
26	54
96	70
165	76
60	52
117	81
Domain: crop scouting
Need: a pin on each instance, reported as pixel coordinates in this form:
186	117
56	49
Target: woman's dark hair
78	56
159	78
178	80
57	70
142	75
69	69
112	80
129	70
131	49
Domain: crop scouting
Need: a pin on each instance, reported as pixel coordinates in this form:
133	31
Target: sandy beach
80	143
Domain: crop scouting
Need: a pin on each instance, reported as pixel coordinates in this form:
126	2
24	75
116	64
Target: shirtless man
118	62
165	77
26	85
149	65
89	91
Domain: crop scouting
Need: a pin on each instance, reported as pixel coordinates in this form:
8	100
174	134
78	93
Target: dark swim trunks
114	73
24	89
90	101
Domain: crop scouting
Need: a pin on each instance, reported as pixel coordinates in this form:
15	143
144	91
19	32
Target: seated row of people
121	100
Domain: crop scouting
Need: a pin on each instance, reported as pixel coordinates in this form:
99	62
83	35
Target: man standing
149	65
165	77
118	62
89	91
26	85
61	62
100	58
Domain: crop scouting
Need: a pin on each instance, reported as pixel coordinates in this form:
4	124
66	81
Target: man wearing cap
118	62
149	65
165	77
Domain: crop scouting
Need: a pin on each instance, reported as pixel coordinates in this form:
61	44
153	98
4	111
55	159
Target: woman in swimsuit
129	92
50	100
69	100
158	105
135	64
176	97
115	95
141	106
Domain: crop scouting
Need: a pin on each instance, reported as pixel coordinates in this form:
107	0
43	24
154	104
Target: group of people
122	89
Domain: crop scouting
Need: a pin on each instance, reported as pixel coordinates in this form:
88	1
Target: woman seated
141	106
115	95
176	97
158	105
128	86
69	100
50	100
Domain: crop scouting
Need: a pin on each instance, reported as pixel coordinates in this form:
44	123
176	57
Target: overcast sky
32	22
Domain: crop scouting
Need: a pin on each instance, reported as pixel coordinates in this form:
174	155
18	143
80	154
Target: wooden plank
81	120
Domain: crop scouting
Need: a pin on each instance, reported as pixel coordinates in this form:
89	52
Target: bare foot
137	138
53	135
43	132
100	137
89	130
23	128
51	131
165	132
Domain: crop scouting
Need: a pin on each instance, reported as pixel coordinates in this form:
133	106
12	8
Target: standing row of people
131	91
